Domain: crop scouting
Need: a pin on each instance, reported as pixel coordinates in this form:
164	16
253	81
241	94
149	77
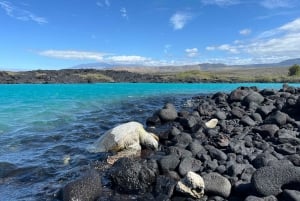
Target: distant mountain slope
162	69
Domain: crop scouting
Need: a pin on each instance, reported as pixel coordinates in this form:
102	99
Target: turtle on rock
126	140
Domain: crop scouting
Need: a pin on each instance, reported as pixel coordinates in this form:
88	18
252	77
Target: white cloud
245	32
272	45
21	14
220	2
124	13
179	20
73	54
124	59
272	4
167	48
191	52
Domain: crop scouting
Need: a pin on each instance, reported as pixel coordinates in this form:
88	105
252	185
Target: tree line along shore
290	74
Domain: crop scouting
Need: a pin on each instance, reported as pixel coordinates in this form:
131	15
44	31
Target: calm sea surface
45	129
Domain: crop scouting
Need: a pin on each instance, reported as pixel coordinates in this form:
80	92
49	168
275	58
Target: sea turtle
125	139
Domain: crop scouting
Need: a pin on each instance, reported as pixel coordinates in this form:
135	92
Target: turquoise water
42	125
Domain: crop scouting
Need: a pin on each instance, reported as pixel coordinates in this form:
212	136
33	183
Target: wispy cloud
105	3
272	45
191	52
179	20
220	2
73	54
245	32
272	4
124	13
21	14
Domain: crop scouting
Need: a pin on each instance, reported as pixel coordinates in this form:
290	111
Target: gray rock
195	147
168	113
169	162
131	175
266	130
216	153
253	198
183	140
237	112
253	97
291	195
286	149
189	164
188	122
179	152
238	95
236	169
295	159
87	188
262	160
216	184
164	185
269	180
220	115
278	118
265	110
257	117
246	120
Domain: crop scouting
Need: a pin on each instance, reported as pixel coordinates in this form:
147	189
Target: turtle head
149	140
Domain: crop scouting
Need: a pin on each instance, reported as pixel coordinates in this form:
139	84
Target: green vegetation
294	70
95	77
194	75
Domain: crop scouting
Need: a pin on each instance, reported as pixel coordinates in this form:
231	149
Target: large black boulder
132	175
271	180
87	188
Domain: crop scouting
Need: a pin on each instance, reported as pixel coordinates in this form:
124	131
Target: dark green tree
294	70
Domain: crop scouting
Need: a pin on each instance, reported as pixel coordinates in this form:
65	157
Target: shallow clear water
45	129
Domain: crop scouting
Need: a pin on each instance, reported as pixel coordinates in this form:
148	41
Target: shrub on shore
294	70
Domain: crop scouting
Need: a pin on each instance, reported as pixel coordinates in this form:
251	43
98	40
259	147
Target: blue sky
58	34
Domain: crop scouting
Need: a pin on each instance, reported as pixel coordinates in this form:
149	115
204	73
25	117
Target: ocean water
45	129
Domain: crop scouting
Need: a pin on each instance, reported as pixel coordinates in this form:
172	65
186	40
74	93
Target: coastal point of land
252	153
190	74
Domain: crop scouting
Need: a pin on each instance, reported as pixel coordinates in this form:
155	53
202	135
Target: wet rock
131	175
270	180
87	188
290	195
6	168
168	113
169	162
216	184
189	164
153	121
192	185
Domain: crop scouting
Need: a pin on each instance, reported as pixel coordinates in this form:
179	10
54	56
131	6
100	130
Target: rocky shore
252	154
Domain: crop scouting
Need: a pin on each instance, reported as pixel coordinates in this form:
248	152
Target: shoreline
74	76
252	154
